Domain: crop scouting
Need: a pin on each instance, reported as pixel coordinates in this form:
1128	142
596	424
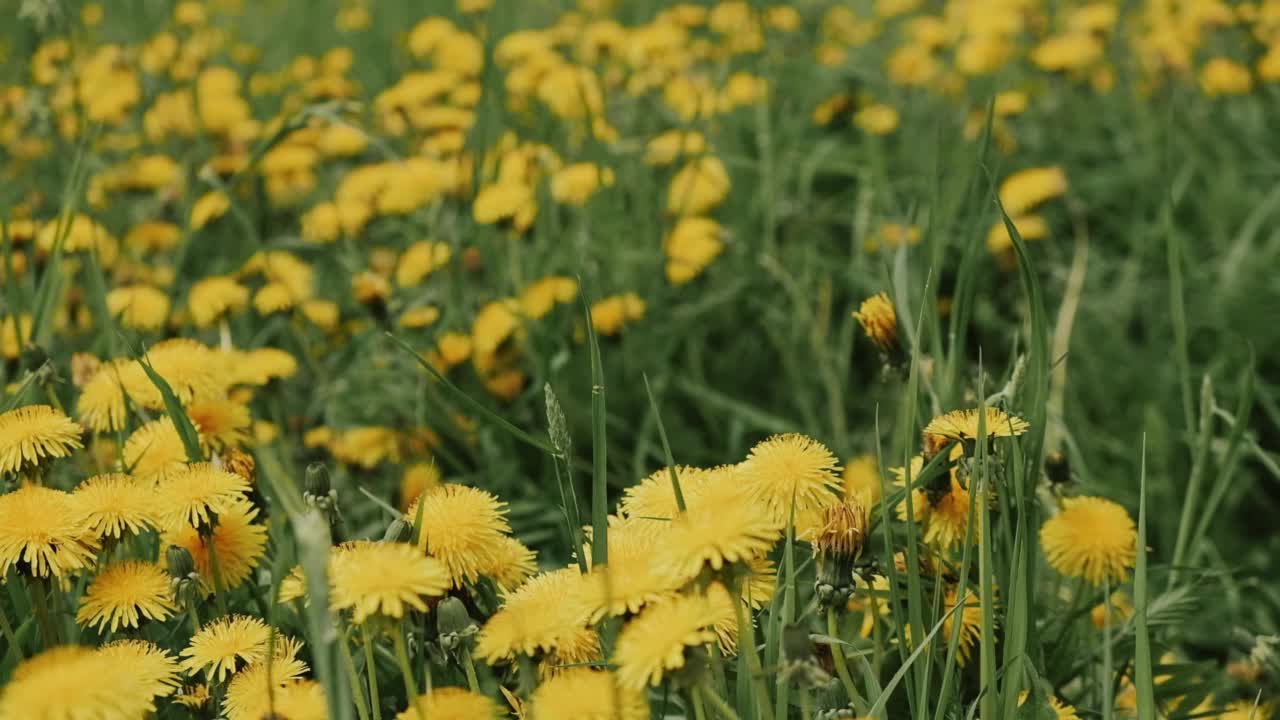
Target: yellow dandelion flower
367	446
383	578
419	317
963	425
948	524
879	321
139	306
152	667
193	697
261	366
70	681
1092	538
125	593
29	435
587	694
40	533
238	542
698	187
452	703
969	626
541	296
654	497
461	527
862	480
512	564
417	479
225	644
223	422
787	469
547	611
611	314
729	527
655	641
1061	710
293	700
633	576
214	298
248	694
1028	188
15	331
690	247
1121	610
194	494
154	450
115	504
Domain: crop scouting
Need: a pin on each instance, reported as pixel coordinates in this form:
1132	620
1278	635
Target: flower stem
837	654
718	704
37	588
9	635
747	644
357	691
216	570
469	665
371	670
695	701
410	685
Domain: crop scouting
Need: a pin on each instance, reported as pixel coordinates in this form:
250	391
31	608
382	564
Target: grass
1155	277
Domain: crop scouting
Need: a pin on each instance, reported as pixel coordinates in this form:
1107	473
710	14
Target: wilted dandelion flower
1092	538
40	533
71	681
114	504
587	694
451	703
880	322
224	645
654	642
248	694
382	578
197	493
461	527
238	542
31	434
124	593
787	469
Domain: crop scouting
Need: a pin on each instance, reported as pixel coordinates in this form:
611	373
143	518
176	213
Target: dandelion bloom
511	564
30	434
154	450
40	533
547	612
115	504
452	703
787	469
698	187
969	626
461	527
654	497
249	691
690	247
862	480
297	699
879	321
226	643
139	306
948	523
152	667
729	528
238	543
214	298
1061	710
71	681
633	576
655	641
1028	188
197	493
588	694
382	578
963	425
124	593
1092	538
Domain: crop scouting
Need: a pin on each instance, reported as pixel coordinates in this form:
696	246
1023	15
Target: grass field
866	359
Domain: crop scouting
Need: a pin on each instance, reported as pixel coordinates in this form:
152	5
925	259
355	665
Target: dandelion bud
180	562
317	480
880	322
837	546
453	623
398	531
240	463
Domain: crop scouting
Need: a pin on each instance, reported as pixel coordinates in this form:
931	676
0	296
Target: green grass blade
599	449
173	407
472	403
666	445
1144	677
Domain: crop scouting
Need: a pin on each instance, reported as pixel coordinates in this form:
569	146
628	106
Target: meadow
639	359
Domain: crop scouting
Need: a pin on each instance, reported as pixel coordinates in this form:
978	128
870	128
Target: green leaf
186	431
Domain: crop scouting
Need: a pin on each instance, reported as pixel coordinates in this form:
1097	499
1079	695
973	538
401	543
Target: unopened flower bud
398	531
